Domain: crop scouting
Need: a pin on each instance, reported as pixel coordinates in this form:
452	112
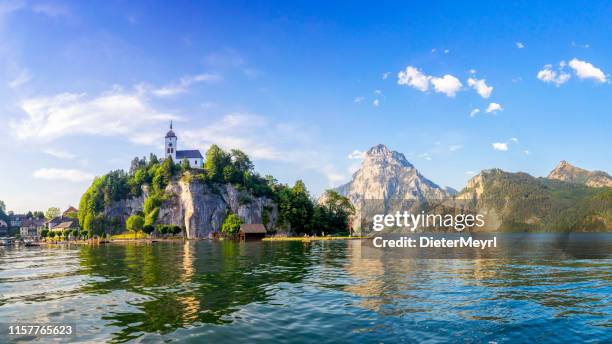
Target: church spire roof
170	133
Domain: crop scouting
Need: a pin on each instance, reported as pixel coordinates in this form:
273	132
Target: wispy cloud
115	112
500	146
69	175
356	155
481	87
376	102
183	85
358	100
494	107
60	154
520	45
22	78
50	9
474	112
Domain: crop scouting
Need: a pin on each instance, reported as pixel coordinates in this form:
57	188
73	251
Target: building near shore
31	228
255	231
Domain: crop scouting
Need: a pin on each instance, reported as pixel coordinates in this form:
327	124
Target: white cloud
376	102
356	155
474	112
184	83
520	45
514	139
472	71
447	84
385	75
526	152
358	100
446	51
112	113
470	172
378	92
500	146
548	75
453	148
22	78
494	107
69	175
585	70
481	87
60	154
414	78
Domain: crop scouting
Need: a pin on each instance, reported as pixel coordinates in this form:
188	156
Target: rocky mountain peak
386	176
381	154
570	173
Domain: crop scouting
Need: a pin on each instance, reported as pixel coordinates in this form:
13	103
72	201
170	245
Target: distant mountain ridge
570	198
569	173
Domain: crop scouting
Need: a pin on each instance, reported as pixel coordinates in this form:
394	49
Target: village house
70	224
31	228
15	220
193	156
71	212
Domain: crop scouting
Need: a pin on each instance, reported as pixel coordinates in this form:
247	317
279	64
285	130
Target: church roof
170	133
188	154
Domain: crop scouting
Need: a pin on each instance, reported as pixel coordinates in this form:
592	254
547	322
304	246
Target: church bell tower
170	145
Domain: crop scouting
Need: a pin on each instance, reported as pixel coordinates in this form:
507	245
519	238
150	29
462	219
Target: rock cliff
200	208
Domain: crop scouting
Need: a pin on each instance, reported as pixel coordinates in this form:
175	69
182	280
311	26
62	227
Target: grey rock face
387	178
201	208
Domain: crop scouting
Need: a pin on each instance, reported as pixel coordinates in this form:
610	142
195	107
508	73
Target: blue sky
302	87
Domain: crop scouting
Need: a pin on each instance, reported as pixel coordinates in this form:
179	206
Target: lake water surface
226	292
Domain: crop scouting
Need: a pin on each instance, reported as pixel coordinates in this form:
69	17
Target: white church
193	155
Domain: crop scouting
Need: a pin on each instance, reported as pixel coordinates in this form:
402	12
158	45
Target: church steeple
171	143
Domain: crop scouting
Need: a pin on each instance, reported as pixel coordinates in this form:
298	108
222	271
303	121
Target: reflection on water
301	292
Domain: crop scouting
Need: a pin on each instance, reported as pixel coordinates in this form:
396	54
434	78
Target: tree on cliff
216	160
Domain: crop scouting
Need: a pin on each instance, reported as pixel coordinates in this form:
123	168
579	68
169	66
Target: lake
227	292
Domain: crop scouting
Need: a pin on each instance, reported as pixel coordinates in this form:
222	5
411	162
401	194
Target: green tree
52	212
216	160
134	224
44	233
75	233
241	161
231	224
52	234
296	207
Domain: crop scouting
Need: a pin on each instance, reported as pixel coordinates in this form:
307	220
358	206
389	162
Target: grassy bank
299	238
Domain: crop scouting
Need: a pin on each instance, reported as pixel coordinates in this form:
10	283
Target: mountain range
570	198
